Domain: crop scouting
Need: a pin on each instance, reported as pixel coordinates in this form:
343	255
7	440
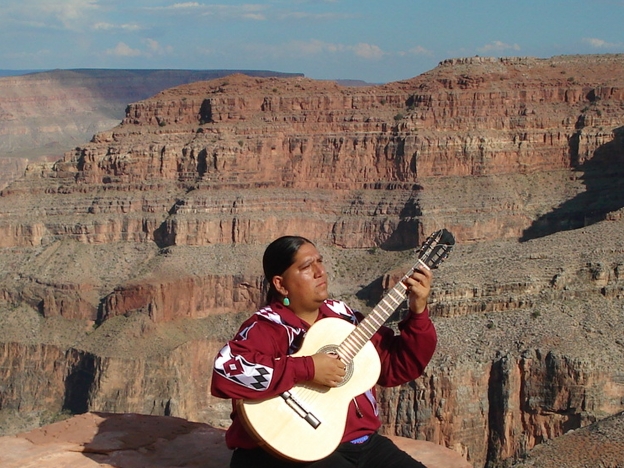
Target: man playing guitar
260	363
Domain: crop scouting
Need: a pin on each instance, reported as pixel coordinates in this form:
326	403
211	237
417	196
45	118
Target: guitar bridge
300	410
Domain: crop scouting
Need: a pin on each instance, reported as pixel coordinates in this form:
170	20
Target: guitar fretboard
433	252
356	340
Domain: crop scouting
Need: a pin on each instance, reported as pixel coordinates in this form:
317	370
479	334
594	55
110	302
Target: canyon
127	262
44	114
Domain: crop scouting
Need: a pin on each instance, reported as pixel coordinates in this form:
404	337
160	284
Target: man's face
306	279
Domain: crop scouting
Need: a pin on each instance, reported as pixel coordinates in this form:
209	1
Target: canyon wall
44	114
204	143
127	262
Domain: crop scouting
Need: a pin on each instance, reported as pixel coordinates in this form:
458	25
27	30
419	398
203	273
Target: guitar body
284	430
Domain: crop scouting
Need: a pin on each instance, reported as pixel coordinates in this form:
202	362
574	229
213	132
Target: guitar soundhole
331	349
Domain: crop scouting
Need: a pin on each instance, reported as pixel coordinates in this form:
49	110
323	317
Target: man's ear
277	284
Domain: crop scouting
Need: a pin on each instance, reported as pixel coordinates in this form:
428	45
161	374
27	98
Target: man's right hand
329	370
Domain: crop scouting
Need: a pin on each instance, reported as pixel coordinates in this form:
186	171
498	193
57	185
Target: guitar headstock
436	248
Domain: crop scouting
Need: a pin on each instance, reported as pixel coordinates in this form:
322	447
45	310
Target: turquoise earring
286	301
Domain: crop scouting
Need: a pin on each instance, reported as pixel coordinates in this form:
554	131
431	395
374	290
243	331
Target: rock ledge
138	441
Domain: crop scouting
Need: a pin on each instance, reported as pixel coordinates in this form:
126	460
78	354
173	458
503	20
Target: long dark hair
278	256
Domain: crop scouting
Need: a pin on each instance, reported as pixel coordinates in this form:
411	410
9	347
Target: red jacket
251	366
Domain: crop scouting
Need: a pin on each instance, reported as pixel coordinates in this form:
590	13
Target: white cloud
254	16
247	11
498	46
103	26
600	44
298	49
153	45
261	11
368	51
154	48
69	12
312	47
315	47
417	50
72	15
123	50
303	15
185	5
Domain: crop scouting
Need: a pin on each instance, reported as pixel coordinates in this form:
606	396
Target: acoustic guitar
307	422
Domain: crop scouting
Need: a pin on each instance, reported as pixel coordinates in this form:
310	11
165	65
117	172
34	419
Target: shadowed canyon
129	261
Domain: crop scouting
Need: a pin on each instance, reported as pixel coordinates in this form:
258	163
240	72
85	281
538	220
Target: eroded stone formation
128	262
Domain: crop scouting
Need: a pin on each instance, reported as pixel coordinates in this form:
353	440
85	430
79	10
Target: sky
377	41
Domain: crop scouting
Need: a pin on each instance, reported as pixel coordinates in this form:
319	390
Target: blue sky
372	40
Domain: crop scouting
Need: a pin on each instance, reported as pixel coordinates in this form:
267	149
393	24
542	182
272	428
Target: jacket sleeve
254	365
405	356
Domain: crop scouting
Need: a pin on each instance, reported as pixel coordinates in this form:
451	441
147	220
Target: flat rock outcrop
137	441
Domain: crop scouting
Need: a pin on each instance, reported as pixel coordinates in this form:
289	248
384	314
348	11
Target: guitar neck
365	330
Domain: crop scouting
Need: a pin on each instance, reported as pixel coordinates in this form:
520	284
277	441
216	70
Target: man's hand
329	370
418	286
